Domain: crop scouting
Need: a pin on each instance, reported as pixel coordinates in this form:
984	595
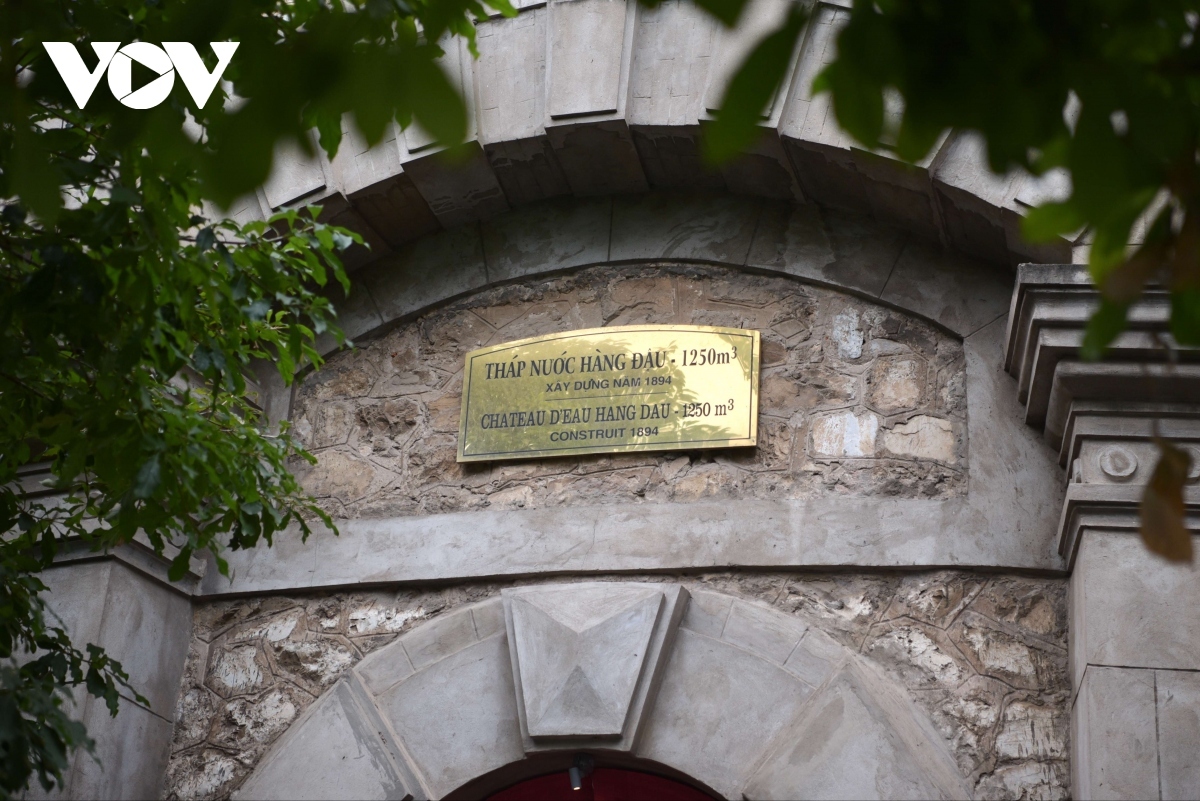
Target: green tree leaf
752	87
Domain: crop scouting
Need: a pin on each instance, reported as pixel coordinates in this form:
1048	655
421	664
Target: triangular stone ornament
580	655
578	707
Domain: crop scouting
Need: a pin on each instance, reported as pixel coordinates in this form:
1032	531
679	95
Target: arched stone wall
1005	517
746	700
587	98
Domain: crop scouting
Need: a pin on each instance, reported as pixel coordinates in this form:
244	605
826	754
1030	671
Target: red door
602	784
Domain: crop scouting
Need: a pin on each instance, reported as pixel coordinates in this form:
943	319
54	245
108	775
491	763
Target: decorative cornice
1102	416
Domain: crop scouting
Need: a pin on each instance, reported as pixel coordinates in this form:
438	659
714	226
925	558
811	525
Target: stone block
580	651
587	40
428	272
844	434
488	617
1133	608
972	226
1114	737
510	77
358	165
395	209
385	668
76	593
131	753
598	158
669	226
671	157
758	19
672	54
923	437
717	709
309	761
898	192
761	631
706	613
763	170
815	658
547	237
440	638
458	720
459	189
588	659
856	739
294	175
1178	698
896	384
336	209
528	170
827	175
147	628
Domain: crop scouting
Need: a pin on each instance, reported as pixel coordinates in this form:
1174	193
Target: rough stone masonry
856	399
984	656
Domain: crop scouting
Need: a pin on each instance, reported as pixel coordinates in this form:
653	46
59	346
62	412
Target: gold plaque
607	390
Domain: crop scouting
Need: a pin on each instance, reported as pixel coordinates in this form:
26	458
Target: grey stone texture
1135	645
955	680
586	97
858	400
586	656
147	628
855	399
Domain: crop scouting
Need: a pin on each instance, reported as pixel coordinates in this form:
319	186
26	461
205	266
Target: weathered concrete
1130	608
1177	694
147	628
861	742
458	719
760	534
311	760
1115	737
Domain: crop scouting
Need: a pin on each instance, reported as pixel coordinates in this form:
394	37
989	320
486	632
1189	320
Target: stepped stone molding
1101	417
1134	645
599	97
751	703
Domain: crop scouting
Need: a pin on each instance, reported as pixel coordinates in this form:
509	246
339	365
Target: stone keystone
585	656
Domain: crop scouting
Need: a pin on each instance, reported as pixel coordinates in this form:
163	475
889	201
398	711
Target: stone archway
747	701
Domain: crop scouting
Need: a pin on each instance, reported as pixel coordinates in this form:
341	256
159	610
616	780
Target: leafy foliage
129	317
752	87
1107	91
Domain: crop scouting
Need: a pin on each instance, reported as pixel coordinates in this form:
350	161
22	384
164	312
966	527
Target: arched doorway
738	698
601	784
